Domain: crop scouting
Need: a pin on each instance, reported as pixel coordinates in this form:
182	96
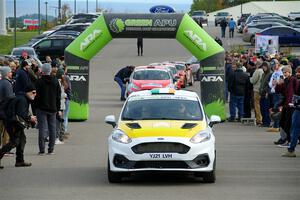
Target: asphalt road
249	166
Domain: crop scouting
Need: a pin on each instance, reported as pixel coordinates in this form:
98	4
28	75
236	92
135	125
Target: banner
266	43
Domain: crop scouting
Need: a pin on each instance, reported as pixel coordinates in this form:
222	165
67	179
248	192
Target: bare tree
65	12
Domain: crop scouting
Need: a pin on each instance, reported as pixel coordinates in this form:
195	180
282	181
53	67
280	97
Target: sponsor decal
212	79
78	78
162	9
90	39
195	39
118	25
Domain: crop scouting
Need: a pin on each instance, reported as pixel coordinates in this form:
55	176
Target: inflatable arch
179	26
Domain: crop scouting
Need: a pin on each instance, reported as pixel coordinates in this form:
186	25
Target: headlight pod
133	86
201	137
120	136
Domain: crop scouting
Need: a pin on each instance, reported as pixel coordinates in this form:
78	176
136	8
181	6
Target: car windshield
151	75
18	52
179	67
162	109
173	70
198	13
223	14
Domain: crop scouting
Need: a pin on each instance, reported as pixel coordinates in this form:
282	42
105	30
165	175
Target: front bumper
198	158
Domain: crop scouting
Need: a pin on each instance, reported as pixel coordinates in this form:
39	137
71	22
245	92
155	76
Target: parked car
162	130
220	15
82	18
200	16
287	36
175	74
53	46
149	77
17	52
251	29
294	15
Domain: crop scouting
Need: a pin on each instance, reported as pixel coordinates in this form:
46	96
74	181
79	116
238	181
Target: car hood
161	128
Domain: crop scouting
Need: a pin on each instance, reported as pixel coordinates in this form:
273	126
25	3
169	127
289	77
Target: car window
223	14
57	43
151	75
179	67
44	44
169	109
18	52
67	42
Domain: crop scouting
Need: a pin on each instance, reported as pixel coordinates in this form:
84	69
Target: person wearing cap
237	83
47	104
286	87
122	77
19	106
256	81
22	77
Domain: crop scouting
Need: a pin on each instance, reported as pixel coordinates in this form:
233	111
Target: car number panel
160	156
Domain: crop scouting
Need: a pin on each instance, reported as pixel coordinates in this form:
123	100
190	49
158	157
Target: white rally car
162	130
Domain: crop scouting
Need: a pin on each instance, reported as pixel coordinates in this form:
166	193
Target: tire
114	177
216	24
210	177
252	40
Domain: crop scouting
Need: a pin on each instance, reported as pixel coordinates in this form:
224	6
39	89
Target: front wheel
114	177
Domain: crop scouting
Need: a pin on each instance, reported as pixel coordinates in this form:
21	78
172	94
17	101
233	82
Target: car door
42	49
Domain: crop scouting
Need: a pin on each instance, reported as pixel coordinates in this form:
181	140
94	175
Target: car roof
24	48
184	93
149	67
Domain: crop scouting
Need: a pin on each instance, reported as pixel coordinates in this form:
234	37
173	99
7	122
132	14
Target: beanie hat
4	71
30	87
46	68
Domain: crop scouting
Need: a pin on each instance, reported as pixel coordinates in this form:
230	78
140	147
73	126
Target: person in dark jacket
237	82
223	25
295	126
47	104
140	46
286	87
264	92
122	77
22	78
19	107
6	93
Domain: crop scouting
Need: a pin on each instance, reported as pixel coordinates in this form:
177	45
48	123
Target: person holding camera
18	118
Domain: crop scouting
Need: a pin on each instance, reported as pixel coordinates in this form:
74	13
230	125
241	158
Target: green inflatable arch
179	26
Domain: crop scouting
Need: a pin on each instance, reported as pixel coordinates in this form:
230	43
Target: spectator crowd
269	85
33	95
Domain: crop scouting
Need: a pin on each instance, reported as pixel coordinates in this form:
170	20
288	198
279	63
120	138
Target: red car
185	75
149	77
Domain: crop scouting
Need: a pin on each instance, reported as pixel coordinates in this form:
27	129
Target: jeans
236	102
223	32
140	49
66	114
295	130
231	32
17	139
264	109
46	124
122	86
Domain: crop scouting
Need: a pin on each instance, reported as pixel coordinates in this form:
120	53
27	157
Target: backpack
4	106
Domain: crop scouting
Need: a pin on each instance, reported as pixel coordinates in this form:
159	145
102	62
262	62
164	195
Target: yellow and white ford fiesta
162	130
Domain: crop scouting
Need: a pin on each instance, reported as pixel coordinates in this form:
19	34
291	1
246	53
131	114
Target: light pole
96	5
74	7
46	3
15	22
39	15
87	6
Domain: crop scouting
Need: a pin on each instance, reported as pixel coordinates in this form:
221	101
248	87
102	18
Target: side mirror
214	119
110	119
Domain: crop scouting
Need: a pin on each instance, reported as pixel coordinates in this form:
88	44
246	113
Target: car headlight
120	136
133	86
171	85
201	137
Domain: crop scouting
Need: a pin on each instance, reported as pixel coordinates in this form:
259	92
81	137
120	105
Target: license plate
160	156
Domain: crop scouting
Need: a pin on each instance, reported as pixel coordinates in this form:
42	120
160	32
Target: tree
65	12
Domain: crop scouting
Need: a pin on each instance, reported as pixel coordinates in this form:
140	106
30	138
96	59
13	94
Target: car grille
160	147
161	164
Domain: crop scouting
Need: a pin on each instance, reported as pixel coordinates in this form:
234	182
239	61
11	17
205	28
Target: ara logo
90	39
212	79
77	78
195	39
